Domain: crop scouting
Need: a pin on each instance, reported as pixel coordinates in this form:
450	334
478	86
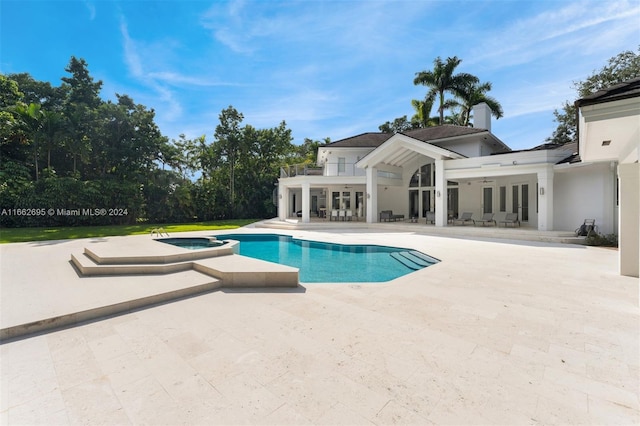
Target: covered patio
412	178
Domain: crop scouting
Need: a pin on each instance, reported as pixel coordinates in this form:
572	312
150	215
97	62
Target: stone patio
498	332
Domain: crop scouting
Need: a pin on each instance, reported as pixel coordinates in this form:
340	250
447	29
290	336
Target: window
341	165
426	173
503	198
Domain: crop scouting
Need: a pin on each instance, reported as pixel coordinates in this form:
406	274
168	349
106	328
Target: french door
520	201
487	199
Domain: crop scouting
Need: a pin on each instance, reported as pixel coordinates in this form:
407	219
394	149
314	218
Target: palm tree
422	117
31	117
476	93
442	79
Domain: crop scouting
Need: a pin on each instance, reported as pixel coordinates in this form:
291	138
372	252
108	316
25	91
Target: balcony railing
301	170
331	169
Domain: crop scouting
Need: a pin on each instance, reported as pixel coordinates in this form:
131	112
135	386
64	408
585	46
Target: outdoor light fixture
368	195
438	193
541	191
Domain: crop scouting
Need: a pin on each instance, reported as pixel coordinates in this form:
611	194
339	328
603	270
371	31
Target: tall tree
398	125
442	80
228	145
624	66
82	88
422	117
31	118
476	93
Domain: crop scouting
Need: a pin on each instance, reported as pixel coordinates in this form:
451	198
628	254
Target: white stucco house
442	171
609	133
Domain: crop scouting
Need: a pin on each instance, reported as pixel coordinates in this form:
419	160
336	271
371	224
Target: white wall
393	198
351	156
470	197
585	192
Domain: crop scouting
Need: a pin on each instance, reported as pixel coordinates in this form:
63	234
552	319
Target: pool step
398	255
414	259
425	259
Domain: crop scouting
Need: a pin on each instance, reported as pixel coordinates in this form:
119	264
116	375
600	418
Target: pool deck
498	332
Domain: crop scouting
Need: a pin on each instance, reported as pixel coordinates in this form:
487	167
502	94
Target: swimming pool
329	262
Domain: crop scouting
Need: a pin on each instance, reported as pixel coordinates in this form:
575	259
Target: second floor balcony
328	169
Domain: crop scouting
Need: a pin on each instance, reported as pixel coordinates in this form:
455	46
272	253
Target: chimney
482	116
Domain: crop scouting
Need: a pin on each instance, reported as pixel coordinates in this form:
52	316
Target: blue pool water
326	262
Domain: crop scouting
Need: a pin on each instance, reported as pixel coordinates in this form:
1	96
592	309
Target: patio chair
464	218
587	228
349	216
511	218
486	218
385	216
431	217
334	215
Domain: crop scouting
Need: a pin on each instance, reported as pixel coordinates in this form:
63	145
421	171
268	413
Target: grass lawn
17	235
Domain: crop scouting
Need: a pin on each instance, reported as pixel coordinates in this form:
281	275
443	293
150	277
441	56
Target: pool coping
183	272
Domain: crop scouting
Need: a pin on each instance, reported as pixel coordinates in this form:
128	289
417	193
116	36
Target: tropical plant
398	125
422	117
474	94
31	119
442	80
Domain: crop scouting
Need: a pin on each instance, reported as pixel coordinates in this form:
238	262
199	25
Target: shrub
597	239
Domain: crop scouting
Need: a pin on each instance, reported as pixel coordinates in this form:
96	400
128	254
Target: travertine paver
497	333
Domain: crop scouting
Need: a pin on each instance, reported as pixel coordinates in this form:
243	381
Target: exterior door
414	206
427	202
520	201
452	203
487	199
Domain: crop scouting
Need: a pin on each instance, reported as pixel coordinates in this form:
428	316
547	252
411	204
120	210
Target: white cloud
574	27
172	107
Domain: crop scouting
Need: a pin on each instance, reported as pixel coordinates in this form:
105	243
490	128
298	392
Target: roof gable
400	148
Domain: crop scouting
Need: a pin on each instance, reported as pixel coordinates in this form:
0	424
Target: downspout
577	105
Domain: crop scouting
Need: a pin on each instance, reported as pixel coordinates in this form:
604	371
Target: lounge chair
431	217
486	218
388	216
511	218
464	218
587	228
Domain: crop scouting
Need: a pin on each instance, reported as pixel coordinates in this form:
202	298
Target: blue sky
328	68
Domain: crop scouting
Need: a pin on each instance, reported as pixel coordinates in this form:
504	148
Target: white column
545	199
283	202
306	202
629	219
372	194
441	194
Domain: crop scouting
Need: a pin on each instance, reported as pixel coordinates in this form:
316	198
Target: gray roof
441	132
375	139
574	157
371	139
627	89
